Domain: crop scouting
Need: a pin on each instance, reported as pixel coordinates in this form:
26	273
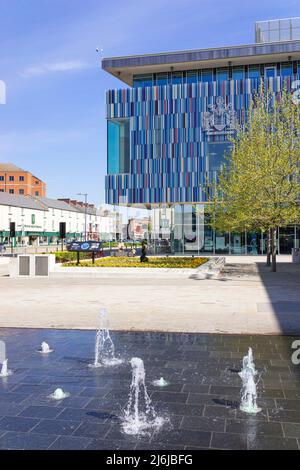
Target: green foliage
259	189
154	262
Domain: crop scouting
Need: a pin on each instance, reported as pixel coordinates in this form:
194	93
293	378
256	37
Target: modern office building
167	131
15	180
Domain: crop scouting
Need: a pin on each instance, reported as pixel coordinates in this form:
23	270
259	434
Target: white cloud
54	67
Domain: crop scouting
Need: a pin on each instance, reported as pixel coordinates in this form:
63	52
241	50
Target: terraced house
168	129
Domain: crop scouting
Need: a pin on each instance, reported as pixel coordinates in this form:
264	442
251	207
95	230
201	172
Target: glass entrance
286	240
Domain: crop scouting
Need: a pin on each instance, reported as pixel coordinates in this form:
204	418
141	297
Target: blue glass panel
161	79
270	72
118	146
238	73
217	154
254	72
207	76
192	76
286	70
142	81
177	78
222	74
113	147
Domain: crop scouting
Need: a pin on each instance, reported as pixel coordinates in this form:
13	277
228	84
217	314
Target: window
142	81
177	78
238	73
118	146
270	72
161	79
253	71
37	182
21	178
1	178
37	193
216	155
11	191
286	69
222	74
207	76
191	76
11	178
21	191
1	190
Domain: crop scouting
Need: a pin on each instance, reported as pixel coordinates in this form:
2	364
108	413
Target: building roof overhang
125	67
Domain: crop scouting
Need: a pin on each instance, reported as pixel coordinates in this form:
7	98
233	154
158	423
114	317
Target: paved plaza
201	402
245	299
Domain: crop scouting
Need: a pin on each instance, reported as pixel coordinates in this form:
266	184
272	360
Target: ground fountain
160	382
249	385
140	417
104	346
5	372
45	348
59	394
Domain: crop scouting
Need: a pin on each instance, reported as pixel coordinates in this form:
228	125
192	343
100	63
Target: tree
259	187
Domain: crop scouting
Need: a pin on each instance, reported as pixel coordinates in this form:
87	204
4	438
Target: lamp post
85	213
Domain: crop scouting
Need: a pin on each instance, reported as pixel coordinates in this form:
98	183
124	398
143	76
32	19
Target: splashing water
140	416
249	393
59	394
5	372
104	346
45	348
160	382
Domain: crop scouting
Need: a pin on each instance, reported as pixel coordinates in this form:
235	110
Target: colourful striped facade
168	144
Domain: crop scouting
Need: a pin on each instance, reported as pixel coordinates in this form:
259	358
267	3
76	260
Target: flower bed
154	262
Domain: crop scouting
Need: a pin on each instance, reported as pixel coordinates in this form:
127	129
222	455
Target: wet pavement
201	402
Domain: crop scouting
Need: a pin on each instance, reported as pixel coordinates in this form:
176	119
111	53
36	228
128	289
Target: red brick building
15	180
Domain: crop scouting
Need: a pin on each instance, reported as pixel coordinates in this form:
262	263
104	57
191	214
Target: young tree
259	187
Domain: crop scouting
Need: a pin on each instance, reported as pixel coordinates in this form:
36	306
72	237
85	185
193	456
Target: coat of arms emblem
220	119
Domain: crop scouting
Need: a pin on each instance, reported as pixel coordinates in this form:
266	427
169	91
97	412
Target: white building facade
37	220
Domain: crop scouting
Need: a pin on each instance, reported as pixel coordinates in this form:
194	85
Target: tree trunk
273	235
269	243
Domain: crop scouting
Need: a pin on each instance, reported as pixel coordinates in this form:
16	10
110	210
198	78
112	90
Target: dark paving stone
179	409
169	397
223	390
288	404
94	392
283	415
203	423
271	443
229	441
40	412
219	412
32	389
13	397
11	409
25	441
94	430
101	444
15	423
56	426
95	416
291	429
183	437
70	443
196	388
253	426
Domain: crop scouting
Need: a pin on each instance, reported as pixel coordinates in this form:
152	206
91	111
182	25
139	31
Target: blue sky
54	121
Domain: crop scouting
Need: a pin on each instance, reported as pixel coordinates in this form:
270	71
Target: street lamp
85	212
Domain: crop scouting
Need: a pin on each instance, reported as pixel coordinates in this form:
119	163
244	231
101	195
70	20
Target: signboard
85	246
